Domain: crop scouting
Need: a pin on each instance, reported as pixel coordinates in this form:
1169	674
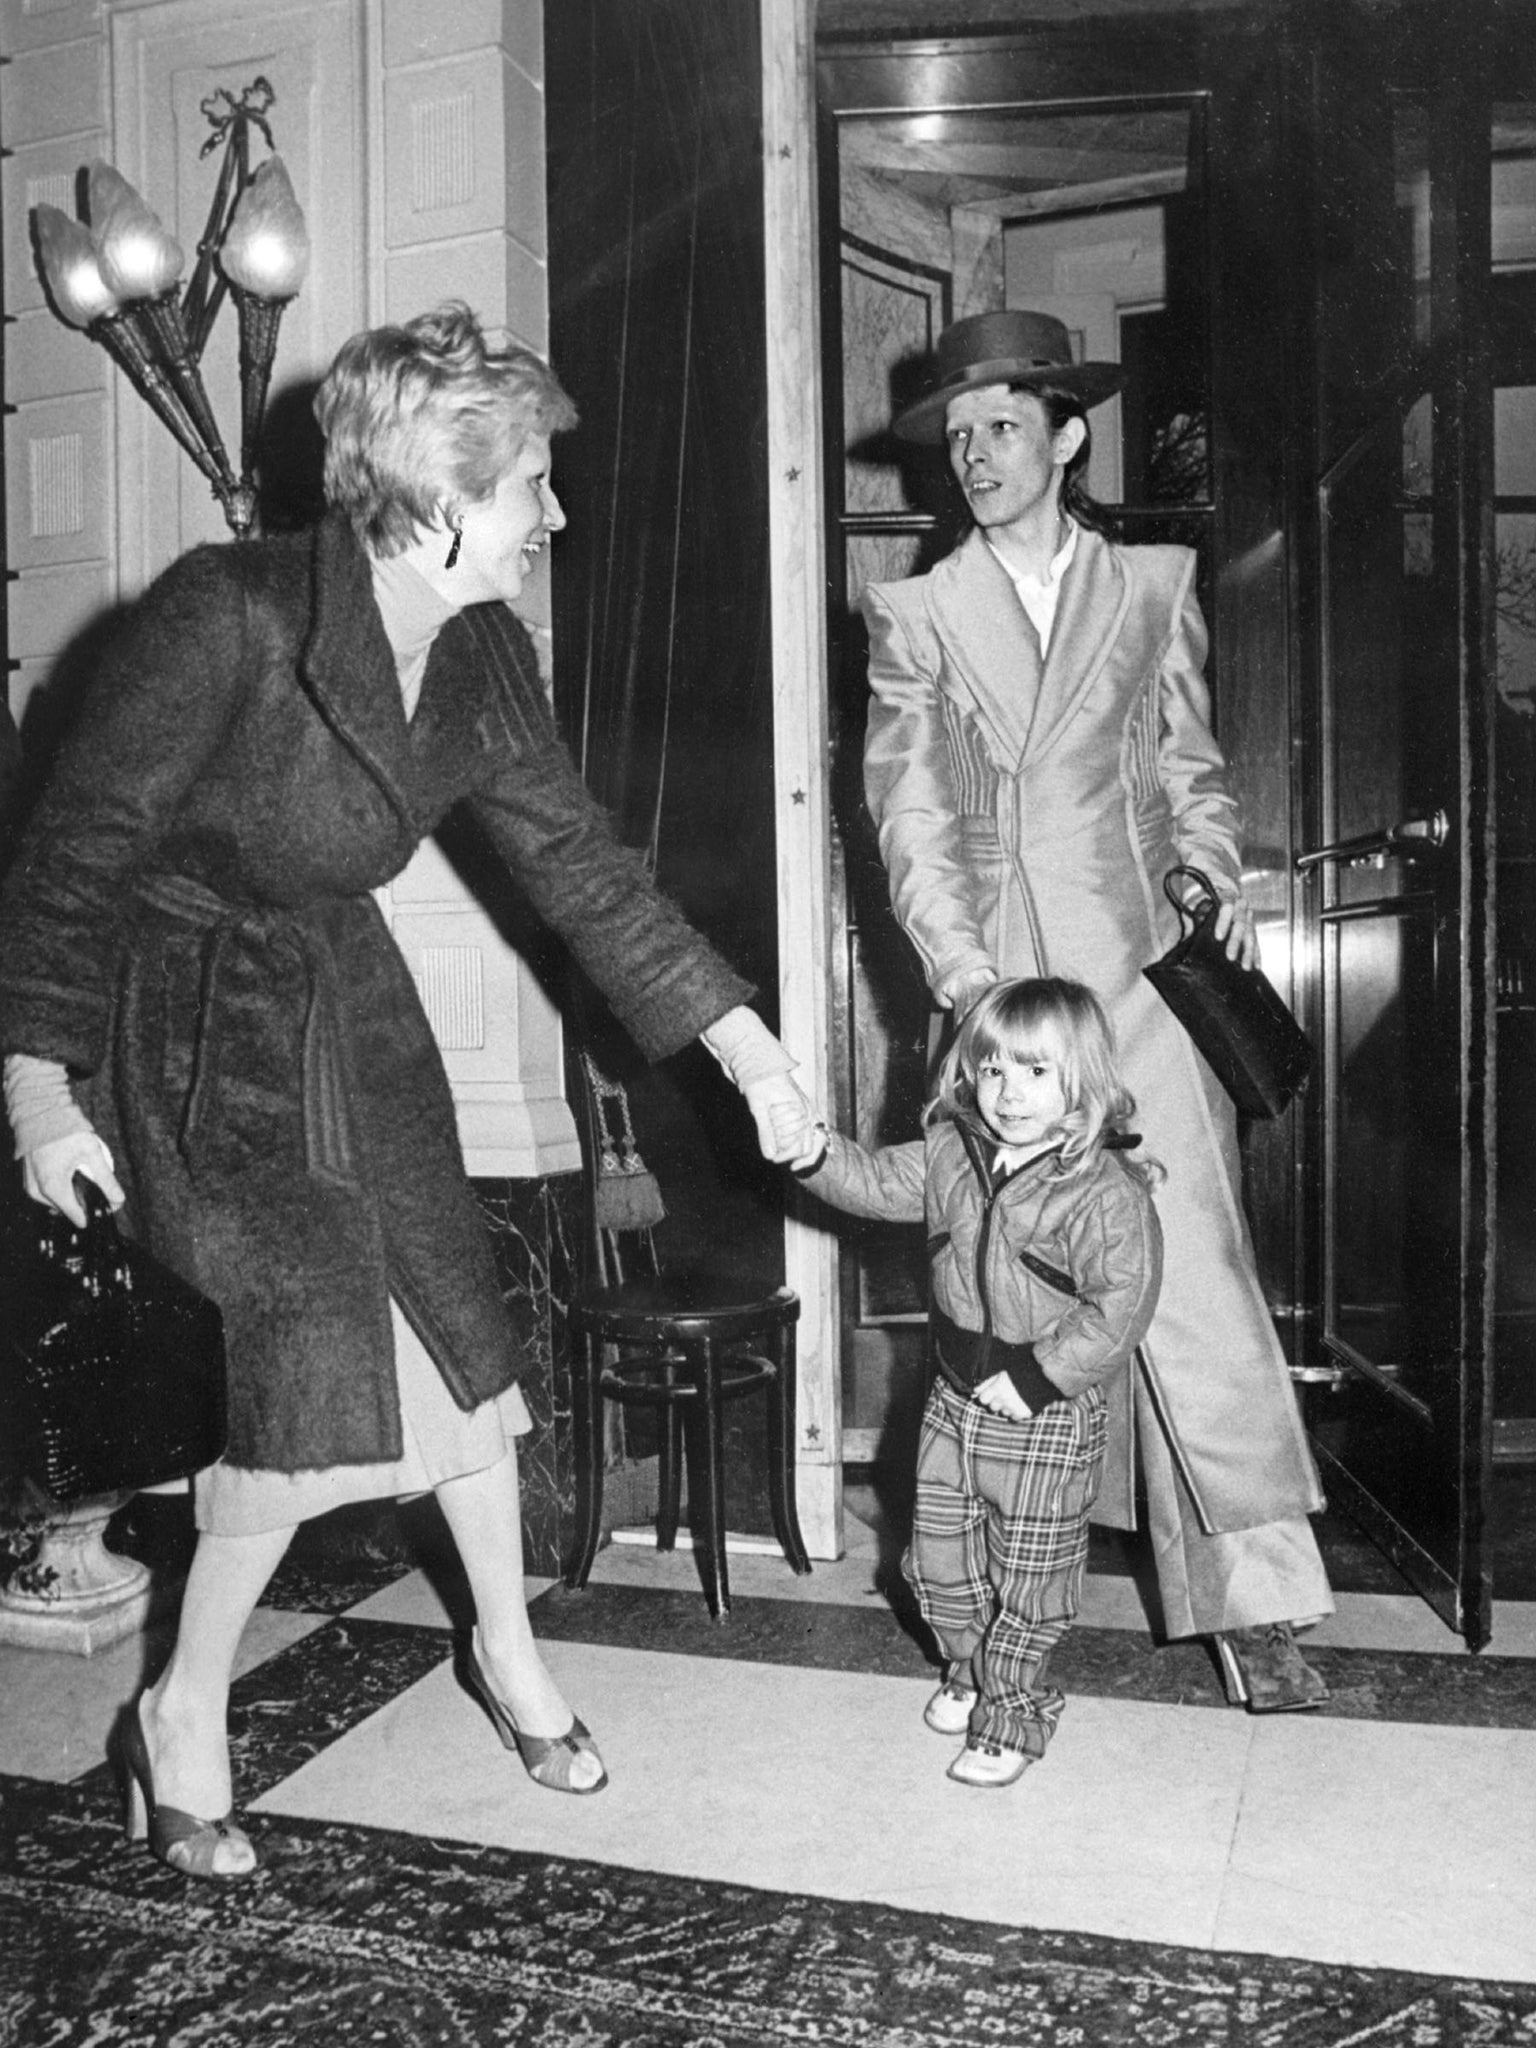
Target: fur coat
188	926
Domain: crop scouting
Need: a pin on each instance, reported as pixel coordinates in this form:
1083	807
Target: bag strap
98	1209
99	1238
1187	911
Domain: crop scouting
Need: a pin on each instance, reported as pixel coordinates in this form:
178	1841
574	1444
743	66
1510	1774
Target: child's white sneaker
949	1711
988	1765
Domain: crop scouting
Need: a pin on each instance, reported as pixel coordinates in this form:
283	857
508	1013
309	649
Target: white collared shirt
1038	598
1009	1158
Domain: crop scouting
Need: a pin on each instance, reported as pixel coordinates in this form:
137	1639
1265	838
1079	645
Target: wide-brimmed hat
1010	347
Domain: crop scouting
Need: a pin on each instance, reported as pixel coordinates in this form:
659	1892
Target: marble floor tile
423	1601
1364	1621
820	1781
56	1711
761	1574
1400	1621
1387	1846
853	1579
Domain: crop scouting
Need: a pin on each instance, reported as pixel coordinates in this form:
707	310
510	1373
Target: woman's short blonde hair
426	417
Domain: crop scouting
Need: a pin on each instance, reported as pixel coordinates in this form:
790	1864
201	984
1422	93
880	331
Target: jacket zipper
983	1241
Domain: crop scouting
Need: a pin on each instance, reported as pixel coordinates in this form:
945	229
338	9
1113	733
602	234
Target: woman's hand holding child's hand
762	1070
785	1120
1003	1398
800	1135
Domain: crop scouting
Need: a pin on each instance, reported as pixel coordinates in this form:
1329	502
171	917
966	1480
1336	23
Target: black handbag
111	1365
1250	1040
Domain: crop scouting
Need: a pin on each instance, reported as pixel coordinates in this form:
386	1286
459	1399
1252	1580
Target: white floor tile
821	1781
415	1602
1400	1621
1387	1845
759	1575
59	1710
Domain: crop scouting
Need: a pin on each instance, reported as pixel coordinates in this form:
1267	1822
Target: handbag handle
99	1239
1196	917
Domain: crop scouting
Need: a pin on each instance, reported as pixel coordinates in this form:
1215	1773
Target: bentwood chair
685	1346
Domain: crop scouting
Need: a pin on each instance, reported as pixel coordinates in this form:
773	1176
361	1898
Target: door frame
1452	70
1264	544
797	624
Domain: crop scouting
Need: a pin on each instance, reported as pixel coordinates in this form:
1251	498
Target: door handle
1408	839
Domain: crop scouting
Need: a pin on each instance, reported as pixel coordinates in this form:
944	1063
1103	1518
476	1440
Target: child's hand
788	1128
1003	1398
800	1135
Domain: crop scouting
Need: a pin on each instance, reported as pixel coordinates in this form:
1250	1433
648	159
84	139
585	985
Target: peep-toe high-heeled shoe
175	1838
546	1758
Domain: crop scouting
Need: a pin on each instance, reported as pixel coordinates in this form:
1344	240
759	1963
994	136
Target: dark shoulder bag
1250	1040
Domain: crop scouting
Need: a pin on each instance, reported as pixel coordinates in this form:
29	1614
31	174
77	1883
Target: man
1039	754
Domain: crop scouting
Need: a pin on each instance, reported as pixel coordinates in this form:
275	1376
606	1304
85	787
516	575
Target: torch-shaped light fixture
117	280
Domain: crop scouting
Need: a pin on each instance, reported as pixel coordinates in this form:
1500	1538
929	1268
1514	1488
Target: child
1045	1258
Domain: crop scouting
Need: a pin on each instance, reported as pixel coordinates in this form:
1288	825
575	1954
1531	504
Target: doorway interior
1316	260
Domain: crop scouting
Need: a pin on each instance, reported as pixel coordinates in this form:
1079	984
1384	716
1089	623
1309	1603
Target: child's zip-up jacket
1049	1276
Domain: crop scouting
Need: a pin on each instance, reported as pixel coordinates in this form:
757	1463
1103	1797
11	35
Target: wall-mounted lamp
116	279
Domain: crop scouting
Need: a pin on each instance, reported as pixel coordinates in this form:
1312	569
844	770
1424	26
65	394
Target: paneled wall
61	524
414	132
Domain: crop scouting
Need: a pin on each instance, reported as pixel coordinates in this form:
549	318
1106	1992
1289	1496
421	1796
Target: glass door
1399	866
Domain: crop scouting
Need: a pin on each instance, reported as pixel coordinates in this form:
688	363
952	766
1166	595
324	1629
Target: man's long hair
1062	405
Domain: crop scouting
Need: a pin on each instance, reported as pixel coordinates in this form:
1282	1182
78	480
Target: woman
205	1013
1039	754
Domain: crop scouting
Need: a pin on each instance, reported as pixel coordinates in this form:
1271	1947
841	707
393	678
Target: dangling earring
453	551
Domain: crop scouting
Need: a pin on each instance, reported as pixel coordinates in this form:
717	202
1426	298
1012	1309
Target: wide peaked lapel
1095	595
349	667
992	658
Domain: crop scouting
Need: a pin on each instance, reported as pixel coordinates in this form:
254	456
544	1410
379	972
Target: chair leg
780	1392
705	1438
587	1432
669	1472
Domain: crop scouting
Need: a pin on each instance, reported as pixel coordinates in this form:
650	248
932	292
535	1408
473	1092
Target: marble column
535	1227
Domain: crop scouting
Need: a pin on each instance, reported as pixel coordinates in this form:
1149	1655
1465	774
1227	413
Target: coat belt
233	938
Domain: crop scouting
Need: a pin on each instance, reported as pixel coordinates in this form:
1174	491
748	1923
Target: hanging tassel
625	1193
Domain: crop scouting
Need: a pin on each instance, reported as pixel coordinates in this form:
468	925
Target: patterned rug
350	1937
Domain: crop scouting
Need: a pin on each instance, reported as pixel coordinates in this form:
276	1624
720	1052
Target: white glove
54	1138
48	1174
761	1069
785	1120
